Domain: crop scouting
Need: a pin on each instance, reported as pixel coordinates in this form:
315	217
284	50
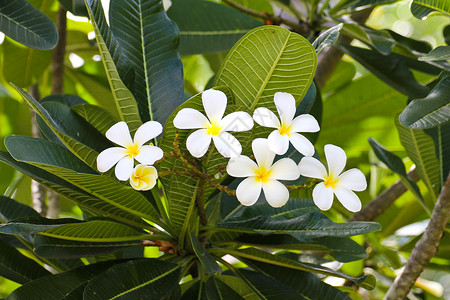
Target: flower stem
200	202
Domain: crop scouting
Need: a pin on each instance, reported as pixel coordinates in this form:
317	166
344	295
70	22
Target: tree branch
299	27
425	248
377	206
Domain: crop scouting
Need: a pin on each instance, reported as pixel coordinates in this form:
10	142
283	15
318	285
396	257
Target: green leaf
57	286
341	77
95	231
395	164
267	60
116	66
252	254
85	153
207	27
347	6
392	69
441	138
149	39
56	159
82	198
381	40
218	289
77	7
17	62
327	38
27	25
420	149
49	247
311	225
439	53
139	279
30	225
11	209
17	267
96	116
431	111
306	284
421	9
208	262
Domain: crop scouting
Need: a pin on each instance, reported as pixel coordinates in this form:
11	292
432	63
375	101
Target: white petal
248	191
302	144
348	199
120	134
227	145
237	121
148	154
284	169
276	193
285	104
109	157
265	117
198	143
278	143
311	167
147	131
353	179
264	156
336	159
215	103
241	166
323	196
305	123
124	168
189	118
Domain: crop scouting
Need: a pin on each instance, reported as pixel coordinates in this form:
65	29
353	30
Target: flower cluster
264	174
143	176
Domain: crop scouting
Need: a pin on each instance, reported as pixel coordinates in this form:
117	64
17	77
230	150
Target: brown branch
425	248
299	27
59	52
381	203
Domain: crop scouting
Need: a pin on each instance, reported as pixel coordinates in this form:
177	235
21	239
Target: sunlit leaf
327	38
421	9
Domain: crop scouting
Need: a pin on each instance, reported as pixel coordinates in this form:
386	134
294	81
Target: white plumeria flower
335	183
167	4
262	175
130	149
213	126
143	177
287	130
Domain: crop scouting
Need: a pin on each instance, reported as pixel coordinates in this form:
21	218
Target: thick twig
330	57
425	248
377	206
299	27
58	88
38	191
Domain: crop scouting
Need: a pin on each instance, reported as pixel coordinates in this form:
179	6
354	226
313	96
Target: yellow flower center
132	150
330	182
285	130
214	128
262	174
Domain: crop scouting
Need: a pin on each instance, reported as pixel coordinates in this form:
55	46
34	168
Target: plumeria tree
196	186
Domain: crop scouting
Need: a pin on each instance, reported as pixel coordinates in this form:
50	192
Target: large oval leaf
27	25
267	60
140	279
421	9
149	39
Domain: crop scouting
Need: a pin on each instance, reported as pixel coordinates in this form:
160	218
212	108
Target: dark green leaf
208	262
65	249
139	279
439	53
196	291
56	287
27	25
431	111
441	138
327	38
96	116
207	27
30	225
17	267
421	9
381	40
395	164
391	69
217	289
11	209
76	7
149	39
415	45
